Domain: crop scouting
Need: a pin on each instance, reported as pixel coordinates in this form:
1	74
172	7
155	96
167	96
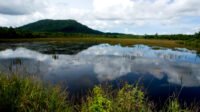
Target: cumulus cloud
107	15
145	10
20	7
168	14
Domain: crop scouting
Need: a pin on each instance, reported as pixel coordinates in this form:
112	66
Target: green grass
25	95
192	44
174	106
127	99
19	94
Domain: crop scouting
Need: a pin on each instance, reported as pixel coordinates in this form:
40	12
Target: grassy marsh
122	41
189	44
19	94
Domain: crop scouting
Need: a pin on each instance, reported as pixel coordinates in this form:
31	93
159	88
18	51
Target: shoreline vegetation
189	44
11	35
22	94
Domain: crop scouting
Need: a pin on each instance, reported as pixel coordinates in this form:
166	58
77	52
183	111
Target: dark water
162	72
49	48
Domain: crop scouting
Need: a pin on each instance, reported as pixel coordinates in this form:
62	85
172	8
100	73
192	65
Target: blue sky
124	16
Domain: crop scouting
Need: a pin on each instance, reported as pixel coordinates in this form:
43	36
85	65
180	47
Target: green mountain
64	26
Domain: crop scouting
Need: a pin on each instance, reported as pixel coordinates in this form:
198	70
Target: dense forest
8	33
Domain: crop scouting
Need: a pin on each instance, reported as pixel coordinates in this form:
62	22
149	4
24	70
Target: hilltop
64	26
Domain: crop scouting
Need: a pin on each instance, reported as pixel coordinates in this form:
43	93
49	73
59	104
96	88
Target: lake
162	72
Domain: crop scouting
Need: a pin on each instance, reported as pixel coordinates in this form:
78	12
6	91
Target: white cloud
106	15
147	12
145	9
20	7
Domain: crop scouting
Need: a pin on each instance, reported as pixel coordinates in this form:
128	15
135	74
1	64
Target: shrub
25	94
98	102
131	99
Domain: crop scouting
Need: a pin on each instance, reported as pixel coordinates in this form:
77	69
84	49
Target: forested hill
71	28
64	26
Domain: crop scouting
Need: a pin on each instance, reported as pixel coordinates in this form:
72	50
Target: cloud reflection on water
107	62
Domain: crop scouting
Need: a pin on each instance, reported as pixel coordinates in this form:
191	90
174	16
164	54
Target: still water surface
161	71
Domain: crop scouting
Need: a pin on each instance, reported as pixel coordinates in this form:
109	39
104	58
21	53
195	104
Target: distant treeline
6	33
174	36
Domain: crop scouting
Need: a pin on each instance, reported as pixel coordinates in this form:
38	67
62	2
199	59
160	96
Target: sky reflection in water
104	62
